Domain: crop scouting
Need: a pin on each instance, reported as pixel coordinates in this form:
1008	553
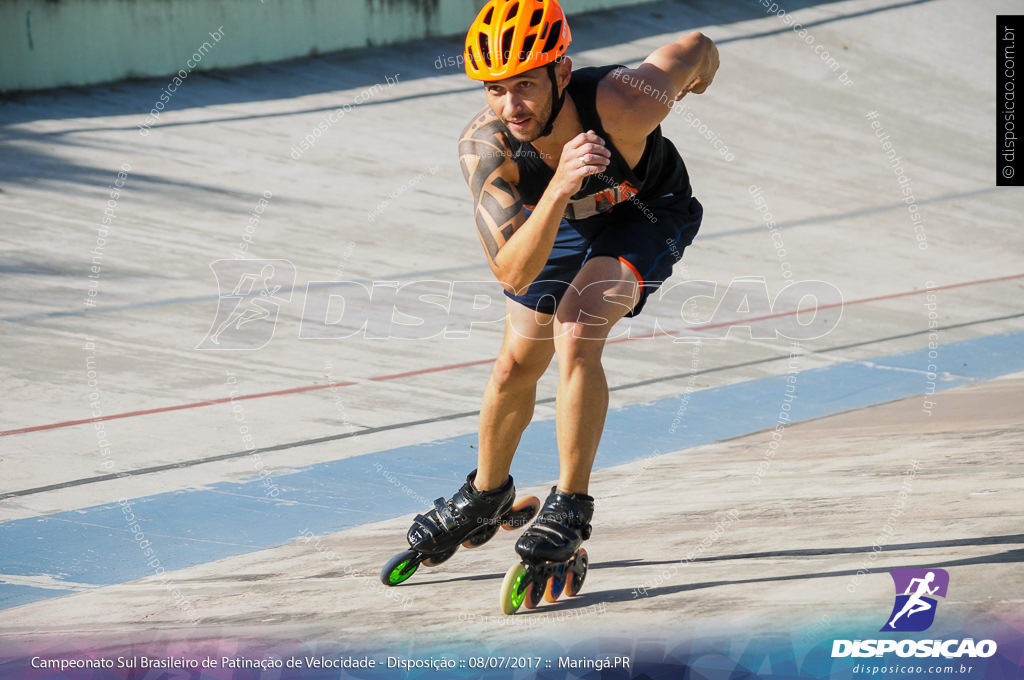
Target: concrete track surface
272	482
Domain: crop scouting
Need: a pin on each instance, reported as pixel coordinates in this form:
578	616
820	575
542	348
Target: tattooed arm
518	247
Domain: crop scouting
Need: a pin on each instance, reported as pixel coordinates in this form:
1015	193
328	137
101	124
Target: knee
513	371
575	347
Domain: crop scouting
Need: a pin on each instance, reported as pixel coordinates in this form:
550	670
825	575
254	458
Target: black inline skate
470	518
553	561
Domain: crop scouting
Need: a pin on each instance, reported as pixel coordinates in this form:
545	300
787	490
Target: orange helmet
510	37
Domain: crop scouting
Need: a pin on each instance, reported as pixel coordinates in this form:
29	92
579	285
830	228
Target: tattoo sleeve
483	150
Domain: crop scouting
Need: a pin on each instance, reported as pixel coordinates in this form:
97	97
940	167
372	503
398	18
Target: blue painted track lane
94	546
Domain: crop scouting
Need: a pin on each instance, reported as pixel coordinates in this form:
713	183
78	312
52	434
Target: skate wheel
481	537
577	572
439	558
534	594
399	568
556	584
521	513
513	589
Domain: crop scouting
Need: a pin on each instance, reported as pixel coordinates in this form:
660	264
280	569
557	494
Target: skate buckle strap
555	531
444	514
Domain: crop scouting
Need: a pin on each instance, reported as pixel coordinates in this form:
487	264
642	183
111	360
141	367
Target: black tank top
660	171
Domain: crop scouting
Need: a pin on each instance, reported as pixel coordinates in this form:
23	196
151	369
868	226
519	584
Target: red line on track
437	369
165	409
744	322
408	374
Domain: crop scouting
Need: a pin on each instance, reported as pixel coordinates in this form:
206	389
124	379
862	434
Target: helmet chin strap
556	102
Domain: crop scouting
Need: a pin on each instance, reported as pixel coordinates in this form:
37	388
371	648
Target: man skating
582	208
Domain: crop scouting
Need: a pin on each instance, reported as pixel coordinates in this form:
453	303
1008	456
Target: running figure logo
251	293
914	611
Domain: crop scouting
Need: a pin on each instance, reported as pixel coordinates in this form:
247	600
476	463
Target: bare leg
604	291
511	392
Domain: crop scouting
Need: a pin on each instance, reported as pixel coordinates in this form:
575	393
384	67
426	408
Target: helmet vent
528	43
485	49
506	41
490	13
553	33
513	9
538	14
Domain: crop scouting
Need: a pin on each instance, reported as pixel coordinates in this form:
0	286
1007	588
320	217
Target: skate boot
553	561
470	518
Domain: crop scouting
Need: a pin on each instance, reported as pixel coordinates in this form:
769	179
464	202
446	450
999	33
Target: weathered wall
53	43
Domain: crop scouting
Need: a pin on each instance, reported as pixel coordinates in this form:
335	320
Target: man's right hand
583	155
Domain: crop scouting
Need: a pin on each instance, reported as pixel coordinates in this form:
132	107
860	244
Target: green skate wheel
513	589
399	568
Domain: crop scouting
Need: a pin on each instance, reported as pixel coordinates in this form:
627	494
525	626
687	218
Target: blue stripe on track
12	595
94	546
